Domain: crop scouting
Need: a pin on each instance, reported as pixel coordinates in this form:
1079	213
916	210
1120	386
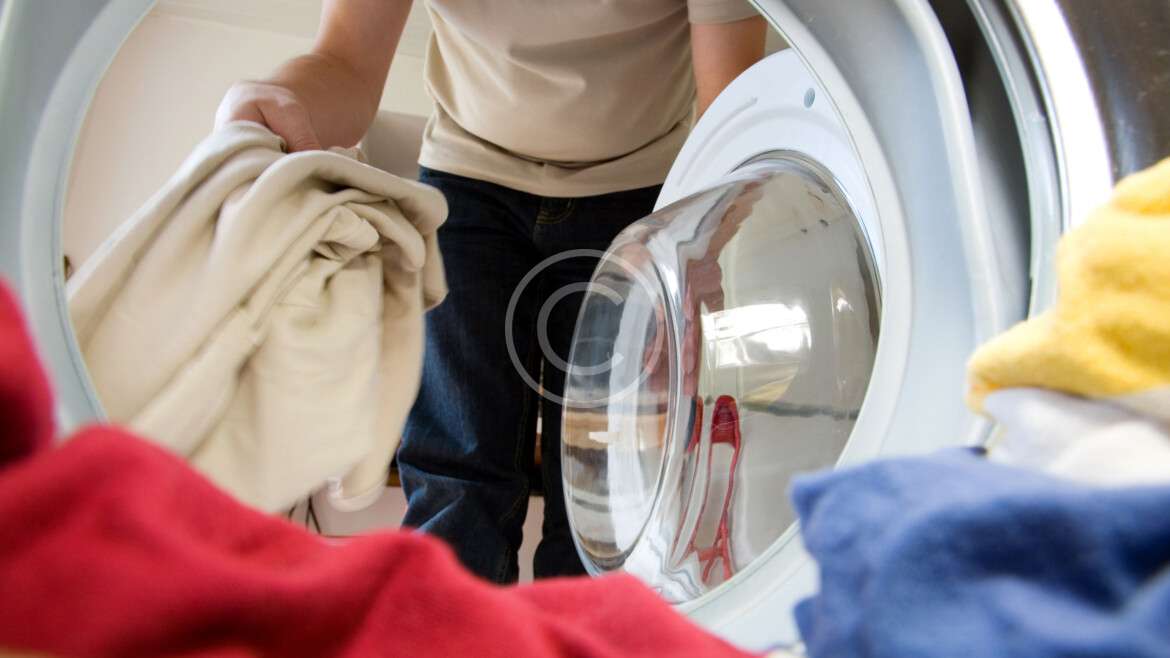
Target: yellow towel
1108	335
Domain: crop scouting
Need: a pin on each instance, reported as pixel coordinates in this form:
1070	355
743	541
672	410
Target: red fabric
110	546
26	405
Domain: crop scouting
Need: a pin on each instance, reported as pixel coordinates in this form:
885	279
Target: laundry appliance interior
850	218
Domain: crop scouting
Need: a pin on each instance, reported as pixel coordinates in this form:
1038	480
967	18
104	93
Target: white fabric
1089	441
1154	402
262	316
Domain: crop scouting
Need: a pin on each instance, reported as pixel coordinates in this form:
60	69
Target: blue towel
950	556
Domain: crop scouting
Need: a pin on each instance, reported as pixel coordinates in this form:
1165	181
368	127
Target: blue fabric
951	556
467	455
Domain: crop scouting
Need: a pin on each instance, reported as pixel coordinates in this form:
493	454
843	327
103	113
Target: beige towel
262	316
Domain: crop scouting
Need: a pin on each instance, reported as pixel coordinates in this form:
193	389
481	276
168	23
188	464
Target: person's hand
330	96
271	105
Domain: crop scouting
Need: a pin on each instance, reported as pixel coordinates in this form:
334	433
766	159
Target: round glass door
725	344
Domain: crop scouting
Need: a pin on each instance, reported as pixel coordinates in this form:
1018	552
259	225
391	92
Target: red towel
112	547
26	405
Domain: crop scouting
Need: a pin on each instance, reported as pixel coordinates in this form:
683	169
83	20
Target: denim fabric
469	444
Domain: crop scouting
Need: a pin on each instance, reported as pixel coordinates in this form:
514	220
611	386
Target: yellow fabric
1108	335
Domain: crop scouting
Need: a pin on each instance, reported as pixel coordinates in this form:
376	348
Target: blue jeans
468	451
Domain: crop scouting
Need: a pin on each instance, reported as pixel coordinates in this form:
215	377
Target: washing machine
848	220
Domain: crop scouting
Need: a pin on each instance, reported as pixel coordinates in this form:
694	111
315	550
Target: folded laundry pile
262	316
1057	543
111	546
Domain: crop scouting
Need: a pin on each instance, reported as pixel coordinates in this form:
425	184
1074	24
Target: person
554	125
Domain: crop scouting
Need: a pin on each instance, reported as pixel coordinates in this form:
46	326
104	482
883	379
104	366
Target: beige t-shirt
563	98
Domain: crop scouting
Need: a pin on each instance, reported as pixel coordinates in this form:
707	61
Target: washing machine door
727	343
846	223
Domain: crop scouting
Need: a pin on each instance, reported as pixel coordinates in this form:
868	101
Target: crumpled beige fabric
262	315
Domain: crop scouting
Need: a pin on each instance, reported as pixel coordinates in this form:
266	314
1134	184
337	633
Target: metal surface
741	325
1074	119
1124	49
1089	89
